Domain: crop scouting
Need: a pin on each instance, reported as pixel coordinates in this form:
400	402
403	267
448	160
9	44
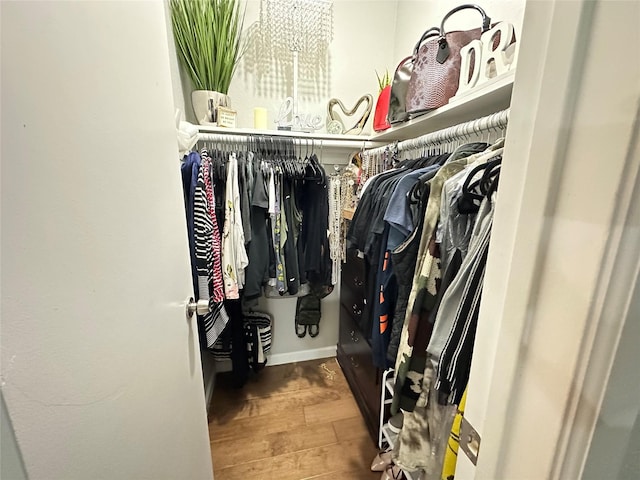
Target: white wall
362	43
286	346
414	17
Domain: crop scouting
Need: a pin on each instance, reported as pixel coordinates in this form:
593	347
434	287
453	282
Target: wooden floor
290	422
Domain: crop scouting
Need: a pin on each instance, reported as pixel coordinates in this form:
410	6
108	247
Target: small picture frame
226	117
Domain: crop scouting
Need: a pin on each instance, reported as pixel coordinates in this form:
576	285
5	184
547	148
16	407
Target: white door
100	366
565	243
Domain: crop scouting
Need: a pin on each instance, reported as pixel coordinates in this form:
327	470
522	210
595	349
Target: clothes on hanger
425	290
257	220
189	169
449	352
234	255
437	232
208	258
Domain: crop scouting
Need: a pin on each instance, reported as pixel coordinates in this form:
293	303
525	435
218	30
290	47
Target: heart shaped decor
334	122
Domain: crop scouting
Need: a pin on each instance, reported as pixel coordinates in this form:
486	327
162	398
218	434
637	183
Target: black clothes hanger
322	176
473	191
489	181
415	194
493	185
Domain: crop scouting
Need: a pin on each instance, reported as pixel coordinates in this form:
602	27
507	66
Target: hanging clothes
424	228
275	213
258	225
416	329
422	439
465	295
208	265
450	348
234	255
404	258
394	283
453	444
314	201
258	268
292	223
189	169
425	291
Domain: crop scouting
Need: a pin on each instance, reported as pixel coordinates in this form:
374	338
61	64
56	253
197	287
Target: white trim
610	311
520	229
301	355
551	234
209	386
287	357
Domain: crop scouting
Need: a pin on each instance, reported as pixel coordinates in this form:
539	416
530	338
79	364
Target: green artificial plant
383	81
208	37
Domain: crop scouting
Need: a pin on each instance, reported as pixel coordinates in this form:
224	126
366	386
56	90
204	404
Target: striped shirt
208	256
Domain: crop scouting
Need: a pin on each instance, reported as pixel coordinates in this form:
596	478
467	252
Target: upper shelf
479	102
325	139
489	98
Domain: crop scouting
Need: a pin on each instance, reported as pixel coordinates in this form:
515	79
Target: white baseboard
301	356
288	357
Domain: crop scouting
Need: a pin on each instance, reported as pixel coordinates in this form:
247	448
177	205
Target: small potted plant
380	121
208	37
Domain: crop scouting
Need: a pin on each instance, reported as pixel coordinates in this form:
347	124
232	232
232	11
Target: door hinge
469	441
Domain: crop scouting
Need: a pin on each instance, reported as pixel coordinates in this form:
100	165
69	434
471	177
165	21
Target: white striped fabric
205	229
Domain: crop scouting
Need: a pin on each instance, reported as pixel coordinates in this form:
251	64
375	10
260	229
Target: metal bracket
469	441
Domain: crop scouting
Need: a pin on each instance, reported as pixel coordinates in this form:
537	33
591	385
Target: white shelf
389	384
328	140
479	102
389	436
489	98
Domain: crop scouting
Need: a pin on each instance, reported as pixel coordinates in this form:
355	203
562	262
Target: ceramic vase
205	103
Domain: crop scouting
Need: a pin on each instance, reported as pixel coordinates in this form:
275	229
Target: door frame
562	252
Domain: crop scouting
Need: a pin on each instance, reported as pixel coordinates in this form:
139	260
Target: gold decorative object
334	121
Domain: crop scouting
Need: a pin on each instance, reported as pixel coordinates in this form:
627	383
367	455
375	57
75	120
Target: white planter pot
204	103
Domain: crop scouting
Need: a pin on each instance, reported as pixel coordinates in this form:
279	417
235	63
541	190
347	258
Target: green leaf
383	81
209	40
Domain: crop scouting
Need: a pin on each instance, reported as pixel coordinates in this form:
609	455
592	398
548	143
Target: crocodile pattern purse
436	66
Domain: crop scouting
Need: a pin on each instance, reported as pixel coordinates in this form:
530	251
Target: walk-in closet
320	239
